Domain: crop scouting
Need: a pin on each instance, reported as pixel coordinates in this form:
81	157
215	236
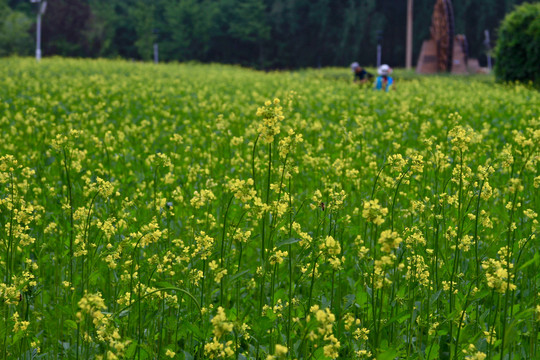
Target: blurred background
265	34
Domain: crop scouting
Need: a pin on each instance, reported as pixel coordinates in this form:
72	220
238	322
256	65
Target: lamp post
41	10
156	50
379	48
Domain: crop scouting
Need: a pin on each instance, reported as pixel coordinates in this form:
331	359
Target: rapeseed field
188	211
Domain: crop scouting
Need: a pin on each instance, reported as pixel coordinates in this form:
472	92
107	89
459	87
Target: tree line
264	34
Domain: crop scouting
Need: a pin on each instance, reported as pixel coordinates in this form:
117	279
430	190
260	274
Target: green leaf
236	276
164	284
433	353
530	262
130	352
145	352
400	317
361	296
287	242
94	276
194	329
389	354
71	324
263	324
522	314
434	297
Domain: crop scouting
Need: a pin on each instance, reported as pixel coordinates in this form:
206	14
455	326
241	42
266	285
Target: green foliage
14	32
518	48
260	33
188	29
66	28
143	14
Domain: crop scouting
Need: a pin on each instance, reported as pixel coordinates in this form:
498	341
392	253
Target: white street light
379	48
156	50
41	11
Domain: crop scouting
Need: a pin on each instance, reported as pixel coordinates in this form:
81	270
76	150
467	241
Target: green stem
290	275
456	348
492	329
263	229
70	218
253	162
458	238
222	291
160	336
395	197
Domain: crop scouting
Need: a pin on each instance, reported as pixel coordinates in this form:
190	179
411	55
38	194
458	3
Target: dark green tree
64	28
143	14
518	47
188	29
260	33
101	28
242	29
15	28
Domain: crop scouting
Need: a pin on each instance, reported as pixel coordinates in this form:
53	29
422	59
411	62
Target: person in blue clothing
384	81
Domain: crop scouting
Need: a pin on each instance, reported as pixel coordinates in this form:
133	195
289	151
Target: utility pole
408	56
41	11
